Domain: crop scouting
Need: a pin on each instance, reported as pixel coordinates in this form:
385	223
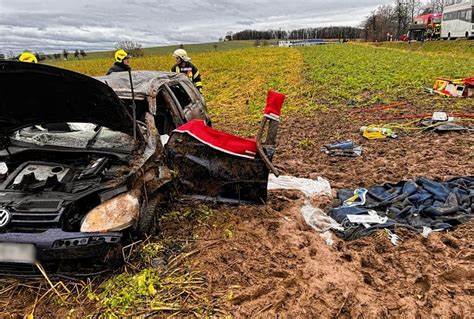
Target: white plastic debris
309	187
164	139
313	216
426	231
317	218
394	238
327	236
368	219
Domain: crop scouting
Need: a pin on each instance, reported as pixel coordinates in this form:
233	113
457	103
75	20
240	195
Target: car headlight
116	214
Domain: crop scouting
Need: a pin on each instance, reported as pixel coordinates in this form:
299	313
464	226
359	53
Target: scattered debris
357	200
415	204
313	216
436	121
377	132
343	148
453	88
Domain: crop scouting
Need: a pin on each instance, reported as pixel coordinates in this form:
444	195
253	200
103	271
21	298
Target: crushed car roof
32	94
145	83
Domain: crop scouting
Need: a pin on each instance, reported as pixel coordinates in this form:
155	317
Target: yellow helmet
28	57
121	55
182	54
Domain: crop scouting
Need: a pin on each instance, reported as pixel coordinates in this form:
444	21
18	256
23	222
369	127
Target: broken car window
181	95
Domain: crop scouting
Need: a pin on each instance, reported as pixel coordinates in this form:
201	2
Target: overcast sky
52	25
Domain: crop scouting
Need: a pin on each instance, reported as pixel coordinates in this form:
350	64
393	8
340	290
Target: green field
314	78
363	75
461	48
190	48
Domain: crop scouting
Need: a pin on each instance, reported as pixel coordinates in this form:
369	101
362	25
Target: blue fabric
413	204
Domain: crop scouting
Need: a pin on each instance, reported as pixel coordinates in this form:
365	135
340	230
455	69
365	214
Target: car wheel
467	35
148	223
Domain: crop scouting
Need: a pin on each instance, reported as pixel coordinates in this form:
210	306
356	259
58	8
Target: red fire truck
426	27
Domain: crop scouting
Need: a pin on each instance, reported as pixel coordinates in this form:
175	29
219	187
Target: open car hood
32	94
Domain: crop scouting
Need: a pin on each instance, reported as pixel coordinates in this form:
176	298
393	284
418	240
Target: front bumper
55	245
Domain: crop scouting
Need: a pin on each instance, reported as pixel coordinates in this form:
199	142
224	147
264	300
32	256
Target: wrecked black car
170	97
80	178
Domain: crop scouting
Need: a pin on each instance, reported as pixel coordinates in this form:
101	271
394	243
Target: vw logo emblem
4	217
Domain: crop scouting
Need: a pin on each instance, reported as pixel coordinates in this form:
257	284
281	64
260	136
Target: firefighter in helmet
122	62
28	57
184	65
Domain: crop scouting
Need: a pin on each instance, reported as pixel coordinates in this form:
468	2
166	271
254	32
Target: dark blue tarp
413	204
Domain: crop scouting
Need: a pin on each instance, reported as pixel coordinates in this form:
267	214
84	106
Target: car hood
32	94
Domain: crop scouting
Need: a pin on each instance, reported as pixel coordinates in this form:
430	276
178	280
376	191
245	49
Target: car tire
148	222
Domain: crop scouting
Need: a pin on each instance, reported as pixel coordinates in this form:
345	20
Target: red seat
235	145
225	142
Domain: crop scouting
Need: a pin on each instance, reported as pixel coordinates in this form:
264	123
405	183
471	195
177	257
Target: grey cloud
51	25
245	22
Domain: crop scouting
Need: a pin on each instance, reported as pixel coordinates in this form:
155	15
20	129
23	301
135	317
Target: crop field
459	48
265	261
190	48
315	78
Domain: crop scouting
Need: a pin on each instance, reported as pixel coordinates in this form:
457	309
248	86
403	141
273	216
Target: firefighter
28	57
122	62
184	65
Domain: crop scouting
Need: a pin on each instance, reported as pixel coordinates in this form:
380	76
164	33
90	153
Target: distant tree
65	54
57	56
132	48
215	46
389	20
83	53
436	6
181	46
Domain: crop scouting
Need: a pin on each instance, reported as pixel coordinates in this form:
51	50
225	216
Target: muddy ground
278	266
266	262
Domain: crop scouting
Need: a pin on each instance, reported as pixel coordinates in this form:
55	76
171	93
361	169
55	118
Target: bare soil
273	264
266	262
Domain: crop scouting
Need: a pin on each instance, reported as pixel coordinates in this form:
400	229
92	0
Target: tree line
338	32
389	21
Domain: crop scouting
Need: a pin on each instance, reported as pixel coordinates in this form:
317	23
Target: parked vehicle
80	178
458	19
425	27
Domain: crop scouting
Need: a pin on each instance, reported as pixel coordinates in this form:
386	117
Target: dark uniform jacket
118	67
191	71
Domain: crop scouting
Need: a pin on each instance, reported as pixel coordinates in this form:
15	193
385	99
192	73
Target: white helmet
182	54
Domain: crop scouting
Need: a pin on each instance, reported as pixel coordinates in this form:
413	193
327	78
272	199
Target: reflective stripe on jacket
191	71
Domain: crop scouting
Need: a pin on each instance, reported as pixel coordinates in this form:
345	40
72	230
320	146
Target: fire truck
426	27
